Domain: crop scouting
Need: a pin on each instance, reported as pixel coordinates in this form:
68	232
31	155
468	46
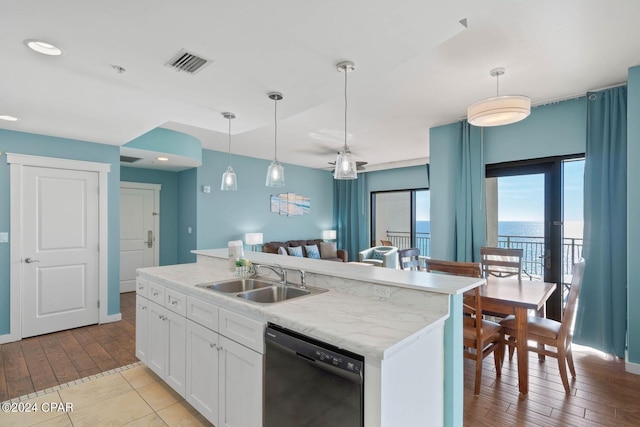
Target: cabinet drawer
142	287
156	293
203	313
243	330
176	302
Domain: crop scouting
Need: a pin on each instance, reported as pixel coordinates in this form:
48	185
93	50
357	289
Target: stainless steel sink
237	285
274	294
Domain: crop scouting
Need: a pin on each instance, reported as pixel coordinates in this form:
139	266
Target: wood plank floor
602	394
41	362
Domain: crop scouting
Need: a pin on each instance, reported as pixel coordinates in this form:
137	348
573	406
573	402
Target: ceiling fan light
346	167
275	175
499	110
229	182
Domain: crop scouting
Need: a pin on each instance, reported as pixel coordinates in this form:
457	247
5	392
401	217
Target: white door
138	231
60	286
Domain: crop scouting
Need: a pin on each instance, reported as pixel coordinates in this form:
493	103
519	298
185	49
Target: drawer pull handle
144	308
155	294
174	302
213	345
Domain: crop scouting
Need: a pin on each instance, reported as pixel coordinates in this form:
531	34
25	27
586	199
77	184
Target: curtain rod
576	96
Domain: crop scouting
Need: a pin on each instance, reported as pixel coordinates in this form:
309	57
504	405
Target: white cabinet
161	333
202	370
211	356
142	322
240	385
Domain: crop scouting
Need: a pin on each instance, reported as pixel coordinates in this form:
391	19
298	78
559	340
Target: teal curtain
349	213
602	310
470	212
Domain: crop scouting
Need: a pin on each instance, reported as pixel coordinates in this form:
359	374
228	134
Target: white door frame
17	161
156	211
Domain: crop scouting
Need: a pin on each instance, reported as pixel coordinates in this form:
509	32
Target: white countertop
347	317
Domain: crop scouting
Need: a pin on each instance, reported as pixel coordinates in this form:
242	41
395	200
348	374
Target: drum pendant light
275	173
229	182
499	110
346	162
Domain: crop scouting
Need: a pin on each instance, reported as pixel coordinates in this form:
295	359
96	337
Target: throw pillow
328	250
378	254
295	251
312	251
282	251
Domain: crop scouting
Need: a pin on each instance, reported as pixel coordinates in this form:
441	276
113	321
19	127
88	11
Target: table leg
523	351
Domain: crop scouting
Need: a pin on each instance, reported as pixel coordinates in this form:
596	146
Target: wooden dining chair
480	337
501	262
409	259
386	243
547	332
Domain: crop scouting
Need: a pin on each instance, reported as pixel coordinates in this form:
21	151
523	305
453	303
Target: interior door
60	286
138	232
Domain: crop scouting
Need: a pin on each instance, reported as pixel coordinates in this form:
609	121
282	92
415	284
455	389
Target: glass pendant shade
345	166
229	182
275	172
275	175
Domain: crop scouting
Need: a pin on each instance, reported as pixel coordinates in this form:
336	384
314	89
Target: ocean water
520	228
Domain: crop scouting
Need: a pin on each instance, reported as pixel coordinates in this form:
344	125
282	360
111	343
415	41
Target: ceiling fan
359	165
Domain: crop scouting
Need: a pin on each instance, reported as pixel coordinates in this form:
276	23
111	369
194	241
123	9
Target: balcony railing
532	248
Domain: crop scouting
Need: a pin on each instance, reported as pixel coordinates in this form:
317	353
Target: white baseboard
632	368
113	318
8	338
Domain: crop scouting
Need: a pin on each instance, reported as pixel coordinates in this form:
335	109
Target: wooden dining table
513	296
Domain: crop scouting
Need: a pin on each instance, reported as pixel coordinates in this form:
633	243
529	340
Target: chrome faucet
278	269
303	278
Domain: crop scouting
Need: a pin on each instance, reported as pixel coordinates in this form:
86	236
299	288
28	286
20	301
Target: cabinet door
142	321
240	385
157	339
202	370
175	367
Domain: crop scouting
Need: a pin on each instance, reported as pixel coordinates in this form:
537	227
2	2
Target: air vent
187	62
128	159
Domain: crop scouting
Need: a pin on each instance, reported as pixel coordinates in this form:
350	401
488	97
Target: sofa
381	256
326	251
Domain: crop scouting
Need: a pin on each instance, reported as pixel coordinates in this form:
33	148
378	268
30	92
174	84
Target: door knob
29	260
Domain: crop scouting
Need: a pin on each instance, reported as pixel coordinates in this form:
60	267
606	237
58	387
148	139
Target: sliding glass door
537	206
402	218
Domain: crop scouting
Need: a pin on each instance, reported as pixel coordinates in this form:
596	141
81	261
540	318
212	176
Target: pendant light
229	182
346	162
499	110
275	173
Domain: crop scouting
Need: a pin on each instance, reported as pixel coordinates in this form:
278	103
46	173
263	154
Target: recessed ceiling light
163	159
8	118
43	47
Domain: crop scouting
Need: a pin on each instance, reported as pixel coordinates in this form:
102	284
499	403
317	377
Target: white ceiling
416	67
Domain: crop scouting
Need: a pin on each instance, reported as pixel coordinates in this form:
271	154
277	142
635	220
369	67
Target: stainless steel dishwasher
309	383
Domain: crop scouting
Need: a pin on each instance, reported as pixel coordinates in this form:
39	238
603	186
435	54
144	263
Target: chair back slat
471	269
501	262
572	299
409	259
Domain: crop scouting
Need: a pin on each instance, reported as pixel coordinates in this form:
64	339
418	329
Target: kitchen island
395	319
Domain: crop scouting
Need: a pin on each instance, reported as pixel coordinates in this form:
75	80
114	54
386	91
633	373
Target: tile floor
129	396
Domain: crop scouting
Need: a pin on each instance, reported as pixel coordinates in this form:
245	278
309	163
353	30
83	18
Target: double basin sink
259	291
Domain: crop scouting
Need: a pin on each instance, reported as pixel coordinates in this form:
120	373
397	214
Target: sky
521	198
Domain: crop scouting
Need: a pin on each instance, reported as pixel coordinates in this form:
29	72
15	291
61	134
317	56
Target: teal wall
168	207
170	142
228	215
48	146
633	211
187	215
